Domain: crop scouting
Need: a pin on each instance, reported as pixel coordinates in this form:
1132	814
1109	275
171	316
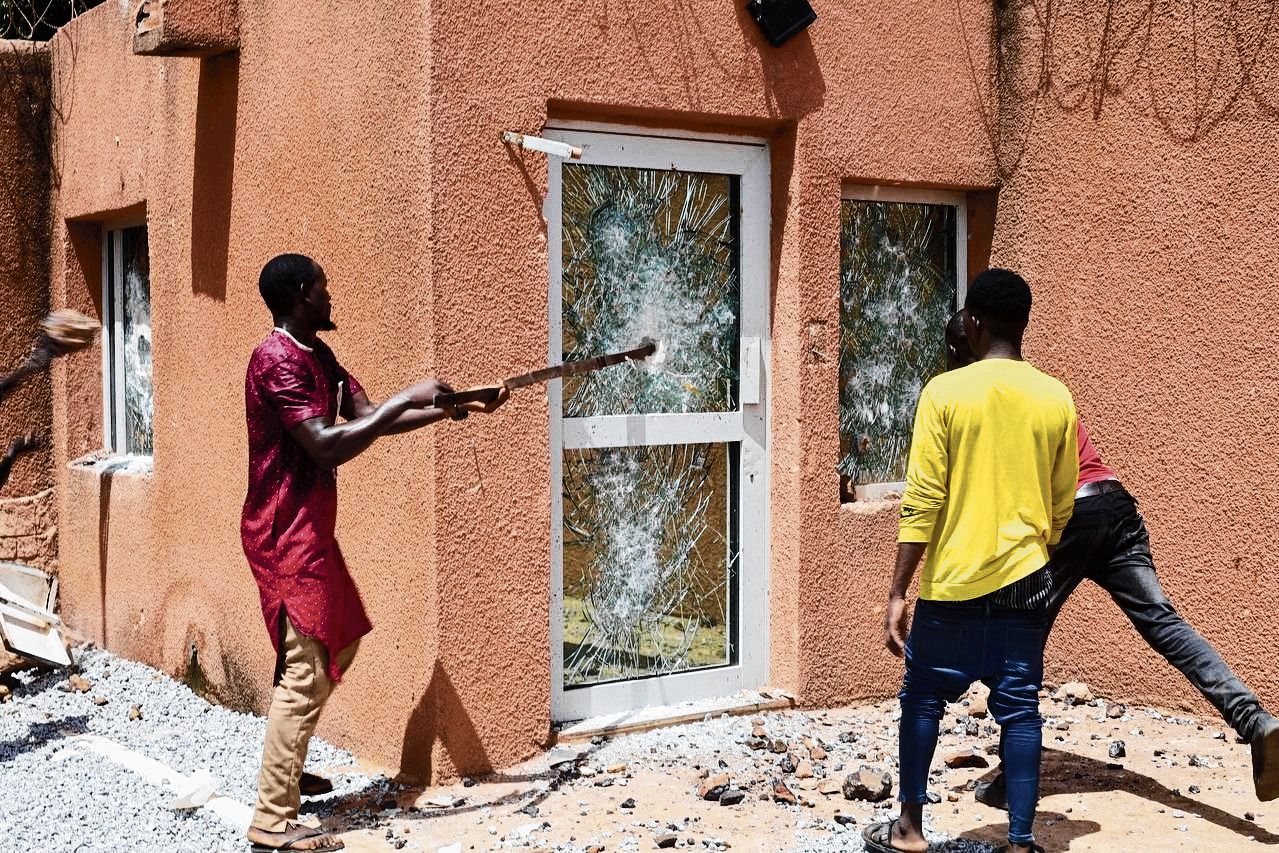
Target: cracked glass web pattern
897	289
650	253
648	557
138	403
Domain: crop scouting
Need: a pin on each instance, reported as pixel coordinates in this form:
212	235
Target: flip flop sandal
1034	848
1265	765
312	785
291	845
878	837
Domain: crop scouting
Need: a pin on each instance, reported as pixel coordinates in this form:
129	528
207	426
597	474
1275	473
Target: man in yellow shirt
990	485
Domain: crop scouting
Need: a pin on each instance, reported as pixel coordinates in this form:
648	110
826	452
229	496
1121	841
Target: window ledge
106	462
880	491
874	498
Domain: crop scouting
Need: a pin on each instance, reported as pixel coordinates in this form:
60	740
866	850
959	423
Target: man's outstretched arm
26	444
38	361
418	418
331	444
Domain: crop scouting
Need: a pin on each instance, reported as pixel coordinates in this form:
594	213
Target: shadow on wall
213	180
439	714
793	81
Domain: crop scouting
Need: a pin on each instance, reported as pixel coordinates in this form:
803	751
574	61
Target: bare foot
296	837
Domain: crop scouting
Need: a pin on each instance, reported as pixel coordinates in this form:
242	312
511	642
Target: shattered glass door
650	468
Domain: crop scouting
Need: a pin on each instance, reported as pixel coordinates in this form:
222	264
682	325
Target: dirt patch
1182	783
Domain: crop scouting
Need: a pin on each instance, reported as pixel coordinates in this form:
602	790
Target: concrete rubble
802	781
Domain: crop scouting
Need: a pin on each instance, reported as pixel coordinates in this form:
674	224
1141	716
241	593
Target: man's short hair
1001	298
283	279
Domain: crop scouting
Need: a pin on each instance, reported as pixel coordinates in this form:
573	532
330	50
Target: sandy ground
1184	784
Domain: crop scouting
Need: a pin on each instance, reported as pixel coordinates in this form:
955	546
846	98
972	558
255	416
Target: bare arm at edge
908	556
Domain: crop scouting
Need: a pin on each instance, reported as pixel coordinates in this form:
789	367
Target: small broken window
900	263
126	302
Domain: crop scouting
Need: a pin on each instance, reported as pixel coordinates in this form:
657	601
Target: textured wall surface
24	268
1141	205
27	531
370	140
379	156
232	160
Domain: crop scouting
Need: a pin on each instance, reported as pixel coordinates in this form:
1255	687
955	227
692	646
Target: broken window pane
897	289
650	253
648	557
137	342
127	403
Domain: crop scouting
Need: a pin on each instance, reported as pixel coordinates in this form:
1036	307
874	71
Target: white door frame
749	160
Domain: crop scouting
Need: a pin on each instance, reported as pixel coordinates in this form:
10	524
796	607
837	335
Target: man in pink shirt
295	391
1106	541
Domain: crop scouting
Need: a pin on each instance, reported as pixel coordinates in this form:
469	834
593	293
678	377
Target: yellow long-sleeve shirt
990	482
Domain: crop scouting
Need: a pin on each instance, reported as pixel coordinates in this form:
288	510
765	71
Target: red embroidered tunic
290	511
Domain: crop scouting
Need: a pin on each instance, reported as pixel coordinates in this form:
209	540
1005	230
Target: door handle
752	371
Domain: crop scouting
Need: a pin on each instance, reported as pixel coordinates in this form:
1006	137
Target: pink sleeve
293	392
353	385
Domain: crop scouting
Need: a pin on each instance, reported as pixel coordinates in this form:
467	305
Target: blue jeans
951	645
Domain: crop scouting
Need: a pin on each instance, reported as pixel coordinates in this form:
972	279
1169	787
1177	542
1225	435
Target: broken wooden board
28	625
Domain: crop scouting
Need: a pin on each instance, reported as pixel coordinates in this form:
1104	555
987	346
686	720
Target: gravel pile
57	795
731	745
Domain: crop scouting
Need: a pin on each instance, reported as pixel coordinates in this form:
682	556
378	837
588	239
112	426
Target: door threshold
659	716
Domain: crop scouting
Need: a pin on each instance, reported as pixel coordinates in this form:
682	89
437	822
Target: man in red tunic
294	391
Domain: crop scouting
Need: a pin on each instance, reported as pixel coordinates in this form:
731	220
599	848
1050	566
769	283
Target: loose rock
1075	692
977	705
783	794
732	797
957	760
713	787
1118	749
869	785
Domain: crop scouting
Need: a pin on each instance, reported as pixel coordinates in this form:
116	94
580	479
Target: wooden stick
488	393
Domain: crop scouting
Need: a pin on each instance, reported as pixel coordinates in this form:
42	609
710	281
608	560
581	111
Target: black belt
1104	487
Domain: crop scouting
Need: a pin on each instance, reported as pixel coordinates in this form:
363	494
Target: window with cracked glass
899	283
126	341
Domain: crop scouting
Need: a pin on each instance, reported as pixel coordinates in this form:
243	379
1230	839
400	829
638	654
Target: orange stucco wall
368	138
24	270
28	523
1144	209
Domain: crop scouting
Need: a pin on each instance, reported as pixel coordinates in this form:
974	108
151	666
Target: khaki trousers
299	697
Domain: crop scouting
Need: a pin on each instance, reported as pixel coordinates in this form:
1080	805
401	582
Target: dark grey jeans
1106	541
